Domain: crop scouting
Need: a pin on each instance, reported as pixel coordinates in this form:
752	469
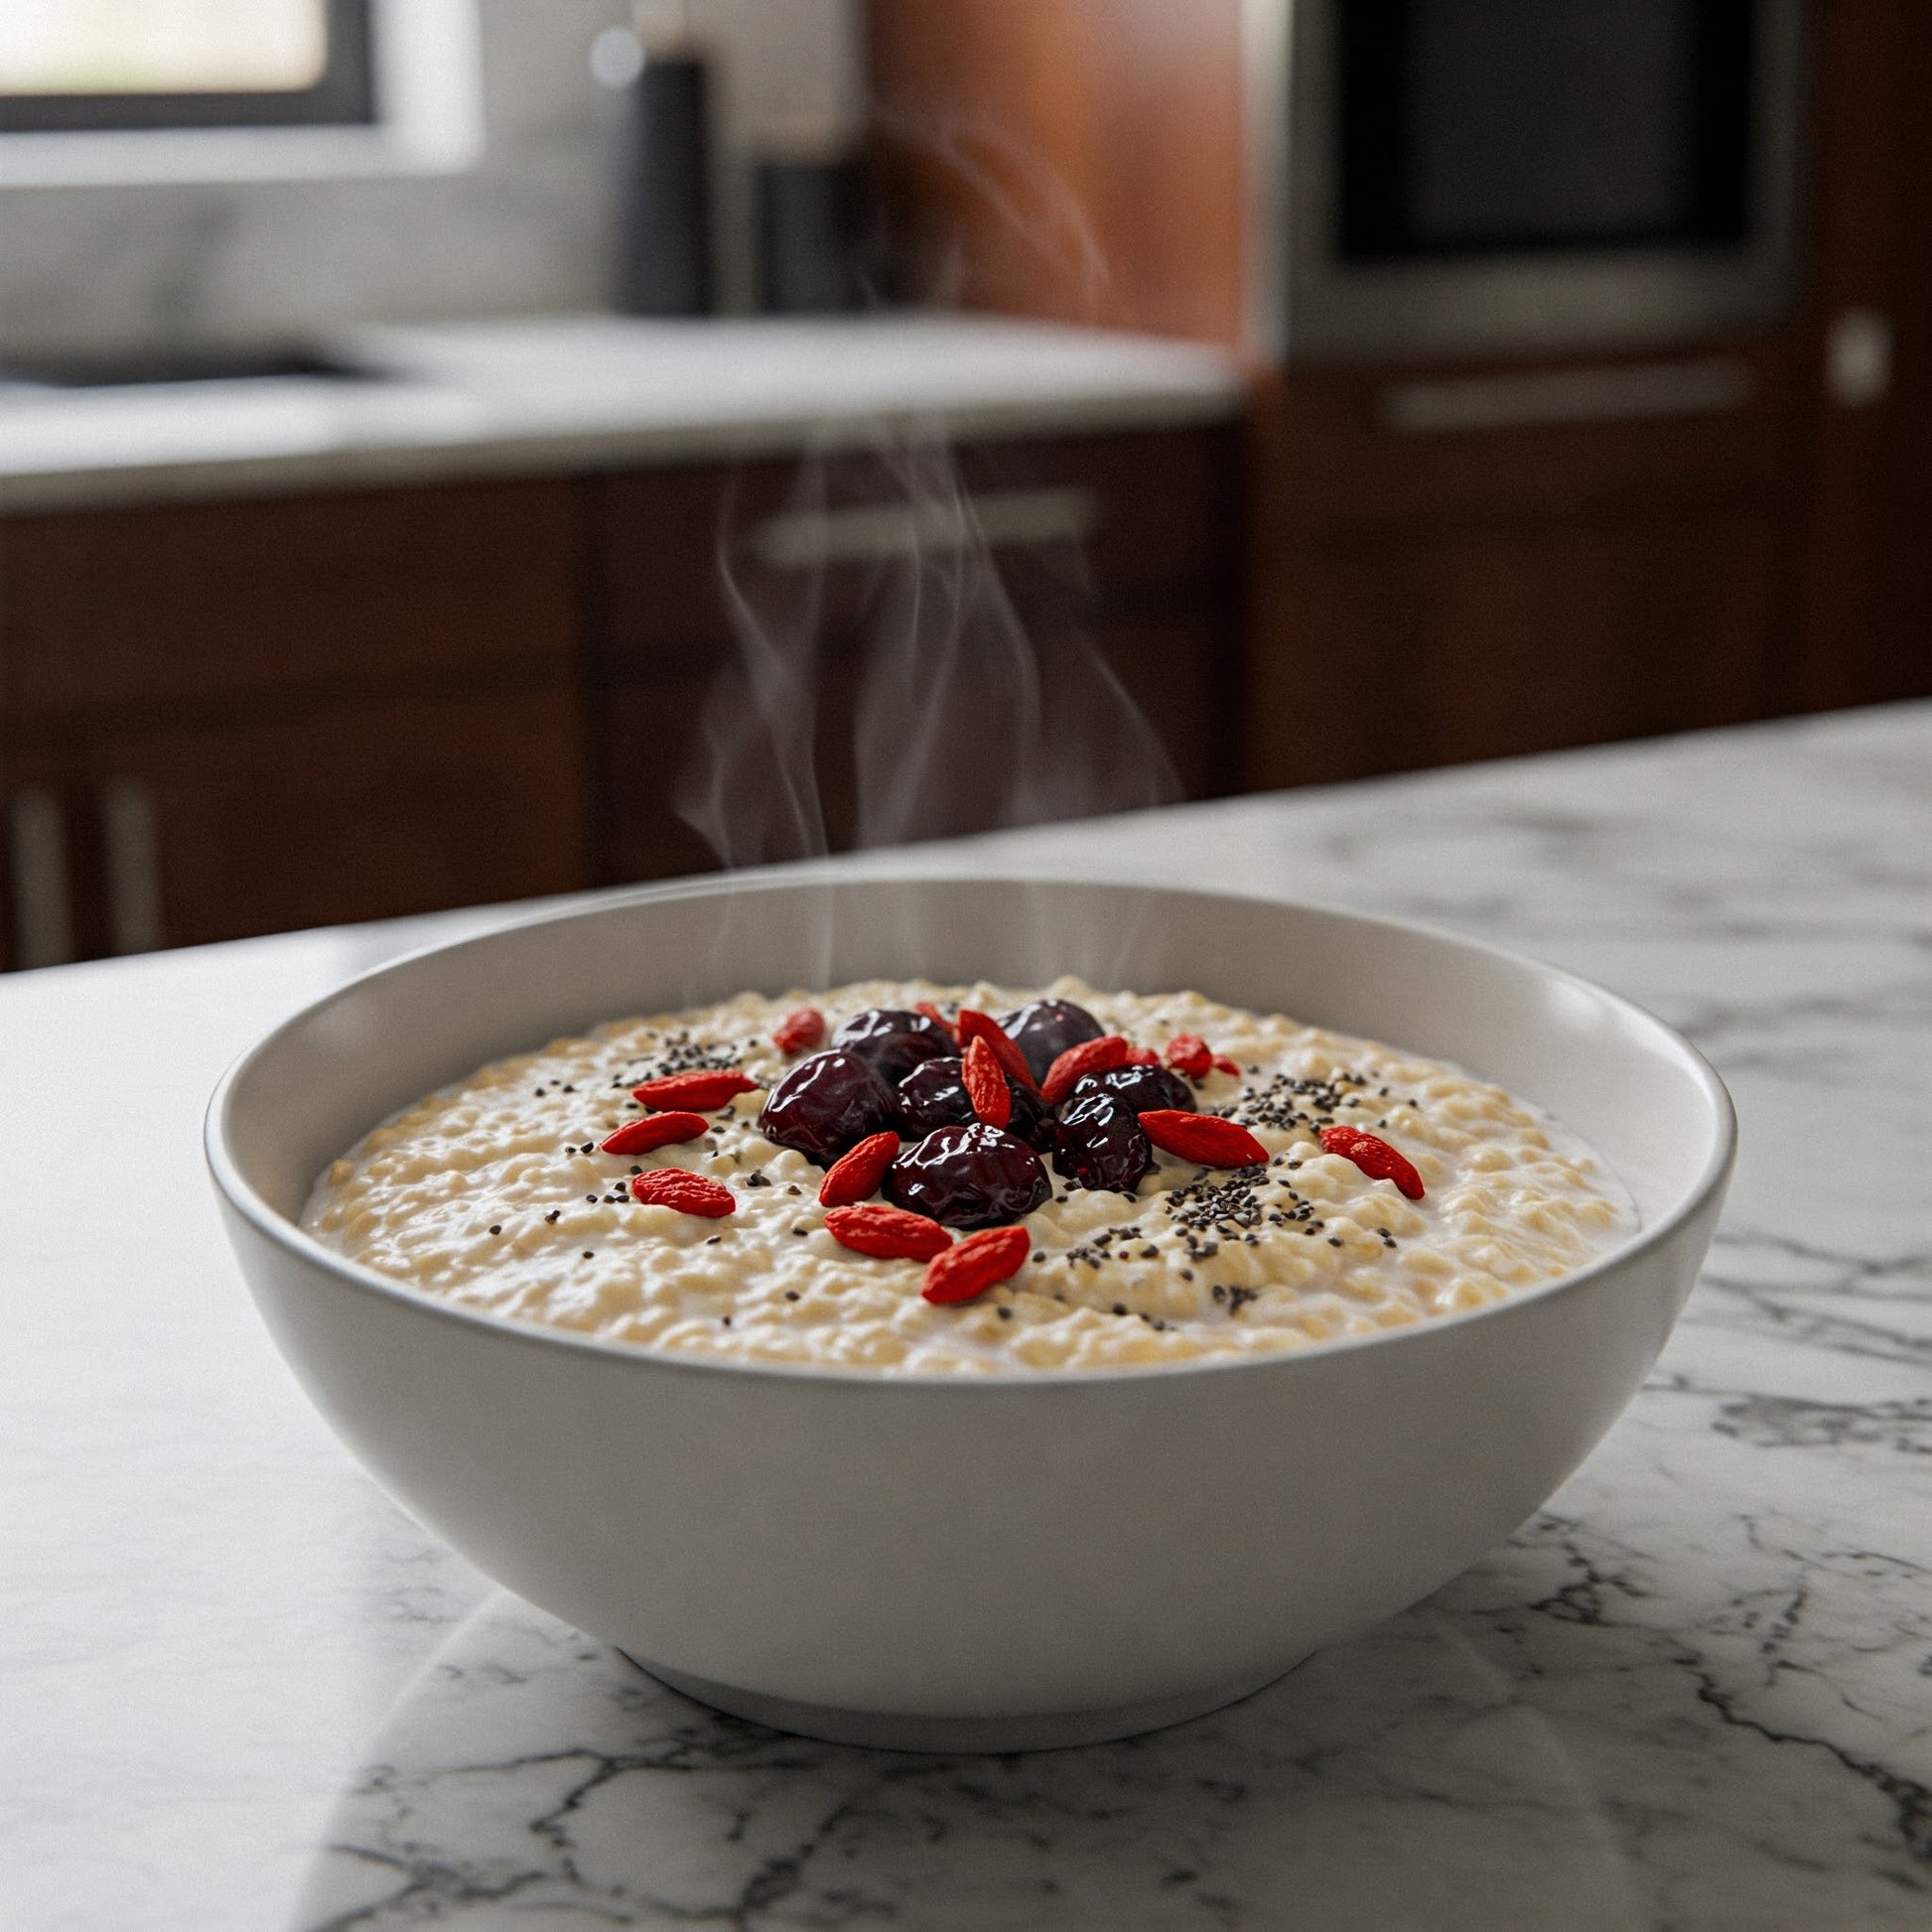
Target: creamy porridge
1151	1234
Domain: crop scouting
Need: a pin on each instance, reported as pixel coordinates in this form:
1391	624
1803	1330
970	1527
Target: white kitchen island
240	1690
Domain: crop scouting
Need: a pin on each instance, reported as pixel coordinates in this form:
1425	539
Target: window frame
345	96
427	118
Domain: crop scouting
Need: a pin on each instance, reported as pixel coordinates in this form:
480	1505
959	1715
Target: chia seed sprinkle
680	1053
1289	1101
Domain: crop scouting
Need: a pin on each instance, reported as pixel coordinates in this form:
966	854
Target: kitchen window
77	65
136	91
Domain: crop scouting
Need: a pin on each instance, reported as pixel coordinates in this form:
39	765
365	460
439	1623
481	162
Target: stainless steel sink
133	368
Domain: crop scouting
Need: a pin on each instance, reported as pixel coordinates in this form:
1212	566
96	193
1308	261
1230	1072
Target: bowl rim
242	1198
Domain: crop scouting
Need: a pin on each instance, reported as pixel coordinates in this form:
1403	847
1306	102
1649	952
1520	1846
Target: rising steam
913	662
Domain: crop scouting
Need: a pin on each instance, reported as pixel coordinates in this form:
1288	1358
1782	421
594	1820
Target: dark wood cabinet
1487	587
362	808
1346	449
1435	647
1863	629
225	719
1114	558
124	610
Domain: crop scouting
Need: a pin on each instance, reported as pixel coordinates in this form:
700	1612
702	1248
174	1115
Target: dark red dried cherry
825	1105
893	1041
1101	1144
1043	1029
1143	1088
934	1095
969	1178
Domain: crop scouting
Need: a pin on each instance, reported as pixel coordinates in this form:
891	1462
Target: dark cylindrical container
664	183
808	214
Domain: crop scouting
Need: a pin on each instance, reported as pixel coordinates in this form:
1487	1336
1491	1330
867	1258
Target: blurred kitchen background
1375	384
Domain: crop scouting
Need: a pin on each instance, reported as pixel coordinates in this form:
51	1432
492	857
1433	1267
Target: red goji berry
798	1030
689	1193
857	1175
656	1130
1141	1057
1222	1065
887	1233
1205	1138
982	1026
938	1018
1090	1057
1375	1157
703	1089
1190	1054
986	1085
965	1272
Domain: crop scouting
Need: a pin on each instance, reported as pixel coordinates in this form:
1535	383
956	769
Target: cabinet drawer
121	611
1341	449
651	731
362	812
1391	655
313	815
1150	513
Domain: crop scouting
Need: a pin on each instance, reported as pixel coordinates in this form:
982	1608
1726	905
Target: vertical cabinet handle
43	908
1857	358
131	857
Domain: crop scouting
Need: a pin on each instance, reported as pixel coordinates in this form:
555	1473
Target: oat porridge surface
495	1194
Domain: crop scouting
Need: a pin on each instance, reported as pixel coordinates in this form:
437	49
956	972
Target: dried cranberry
825	1105
968	1178
934	1095
893	1041
1100	1142
1142	1087
1043	1029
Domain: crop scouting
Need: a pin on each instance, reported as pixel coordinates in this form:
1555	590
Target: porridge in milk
920	1178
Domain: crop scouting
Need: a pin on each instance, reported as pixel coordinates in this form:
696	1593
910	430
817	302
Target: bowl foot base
888	1731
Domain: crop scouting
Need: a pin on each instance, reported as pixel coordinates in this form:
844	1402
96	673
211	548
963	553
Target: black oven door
1503	126
1500	175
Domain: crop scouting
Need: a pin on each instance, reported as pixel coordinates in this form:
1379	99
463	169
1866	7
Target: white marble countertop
243	1691
558	394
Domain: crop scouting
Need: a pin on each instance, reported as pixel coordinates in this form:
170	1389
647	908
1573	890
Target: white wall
526	231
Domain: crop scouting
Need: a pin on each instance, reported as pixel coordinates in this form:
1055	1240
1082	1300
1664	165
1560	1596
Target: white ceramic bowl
998	1563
